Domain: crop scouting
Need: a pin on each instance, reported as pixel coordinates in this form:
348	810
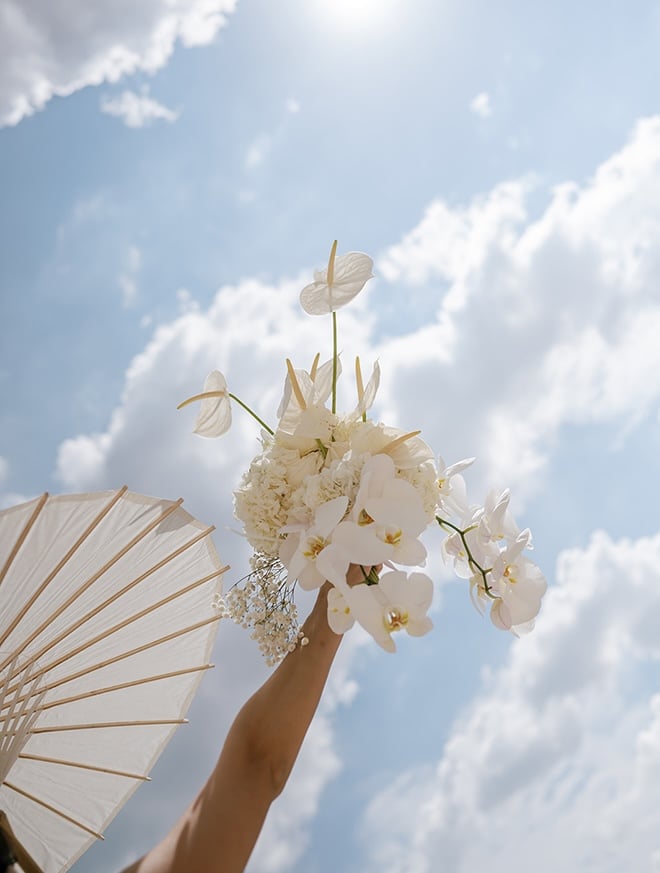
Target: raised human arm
218	831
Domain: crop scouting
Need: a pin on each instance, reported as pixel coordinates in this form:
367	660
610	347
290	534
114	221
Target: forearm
276	718
220	828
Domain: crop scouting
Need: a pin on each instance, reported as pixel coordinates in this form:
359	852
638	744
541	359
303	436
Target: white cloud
263	145
127	279
4	469
481	105
538	322
556	765
48	49
137	110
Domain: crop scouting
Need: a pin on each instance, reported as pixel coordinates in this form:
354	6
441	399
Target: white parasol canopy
106	627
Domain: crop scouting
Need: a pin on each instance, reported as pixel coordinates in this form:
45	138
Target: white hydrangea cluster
267	500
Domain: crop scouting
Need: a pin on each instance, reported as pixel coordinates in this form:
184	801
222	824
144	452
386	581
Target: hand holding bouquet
329	490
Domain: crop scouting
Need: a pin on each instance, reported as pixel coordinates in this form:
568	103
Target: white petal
351	273
332	563
370	391
329	514
340	617
361	544
214	416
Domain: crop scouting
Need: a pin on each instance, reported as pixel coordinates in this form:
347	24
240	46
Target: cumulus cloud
47	49
481	105
539	322
137	110
556	765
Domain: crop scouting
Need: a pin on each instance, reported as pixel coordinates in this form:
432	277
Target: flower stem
371	578
252	413
471	561
334	362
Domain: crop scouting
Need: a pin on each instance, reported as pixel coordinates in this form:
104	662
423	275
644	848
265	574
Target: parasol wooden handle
28	864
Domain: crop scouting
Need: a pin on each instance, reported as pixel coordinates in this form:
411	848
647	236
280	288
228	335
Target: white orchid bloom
520	600
387	511
334	287
451	486
497	523
214	417
310	555
397	602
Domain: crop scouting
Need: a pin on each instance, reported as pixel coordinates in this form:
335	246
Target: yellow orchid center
393	538
394	619
508	573
364	518
315	546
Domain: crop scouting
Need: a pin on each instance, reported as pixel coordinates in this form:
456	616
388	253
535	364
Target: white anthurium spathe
406	449
366	394
313	431
341	281
214	416
398	602
303	389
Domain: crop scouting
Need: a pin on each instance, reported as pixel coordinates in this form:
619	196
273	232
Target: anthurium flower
334	287
214	416
397	602
303	389
406	449
366	394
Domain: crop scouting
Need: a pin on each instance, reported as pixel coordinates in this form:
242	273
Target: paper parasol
106	627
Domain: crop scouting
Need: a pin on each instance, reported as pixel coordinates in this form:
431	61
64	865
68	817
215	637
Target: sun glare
357	14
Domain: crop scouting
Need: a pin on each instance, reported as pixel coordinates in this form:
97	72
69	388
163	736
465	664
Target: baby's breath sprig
263	601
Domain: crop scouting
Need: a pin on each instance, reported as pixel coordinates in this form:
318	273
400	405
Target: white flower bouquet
330	490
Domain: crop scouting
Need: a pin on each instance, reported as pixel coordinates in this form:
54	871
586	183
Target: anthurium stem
252	413
471	561
334	362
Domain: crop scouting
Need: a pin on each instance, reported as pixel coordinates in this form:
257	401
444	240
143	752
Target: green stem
371	578
334	362
252	413
471	561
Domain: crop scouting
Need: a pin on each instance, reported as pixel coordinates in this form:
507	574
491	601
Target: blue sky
170	179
